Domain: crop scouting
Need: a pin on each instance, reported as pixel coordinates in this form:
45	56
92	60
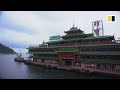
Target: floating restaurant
76	50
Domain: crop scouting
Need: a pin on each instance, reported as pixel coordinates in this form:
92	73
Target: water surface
16	70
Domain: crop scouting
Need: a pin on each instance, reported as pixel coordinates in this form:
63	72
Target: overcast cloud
19	29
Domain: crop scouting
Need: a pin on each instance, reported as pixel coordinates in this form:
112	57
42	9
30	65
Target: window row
101	50
99	57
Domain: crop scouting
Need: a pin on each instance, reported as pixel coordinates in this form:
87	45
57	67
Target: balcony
98	53
42	52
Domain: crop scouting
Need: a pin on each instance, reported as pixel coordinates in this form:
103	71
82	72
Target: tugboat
19	58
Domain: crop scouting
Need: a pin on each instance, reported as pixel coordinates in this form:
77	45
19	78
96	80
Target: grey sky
19	29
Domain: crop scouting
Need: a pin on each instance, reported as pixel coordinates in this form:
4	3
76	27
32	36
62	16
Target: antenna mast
97	28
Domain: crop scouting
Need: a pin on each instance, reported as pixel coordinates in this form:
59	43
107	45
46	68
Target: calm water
16	70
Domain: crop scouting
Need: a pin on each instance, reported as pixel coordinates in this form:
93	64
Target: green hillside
6	50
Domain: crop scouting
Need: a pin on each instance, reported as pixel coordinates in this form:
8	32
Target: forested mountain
6	50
